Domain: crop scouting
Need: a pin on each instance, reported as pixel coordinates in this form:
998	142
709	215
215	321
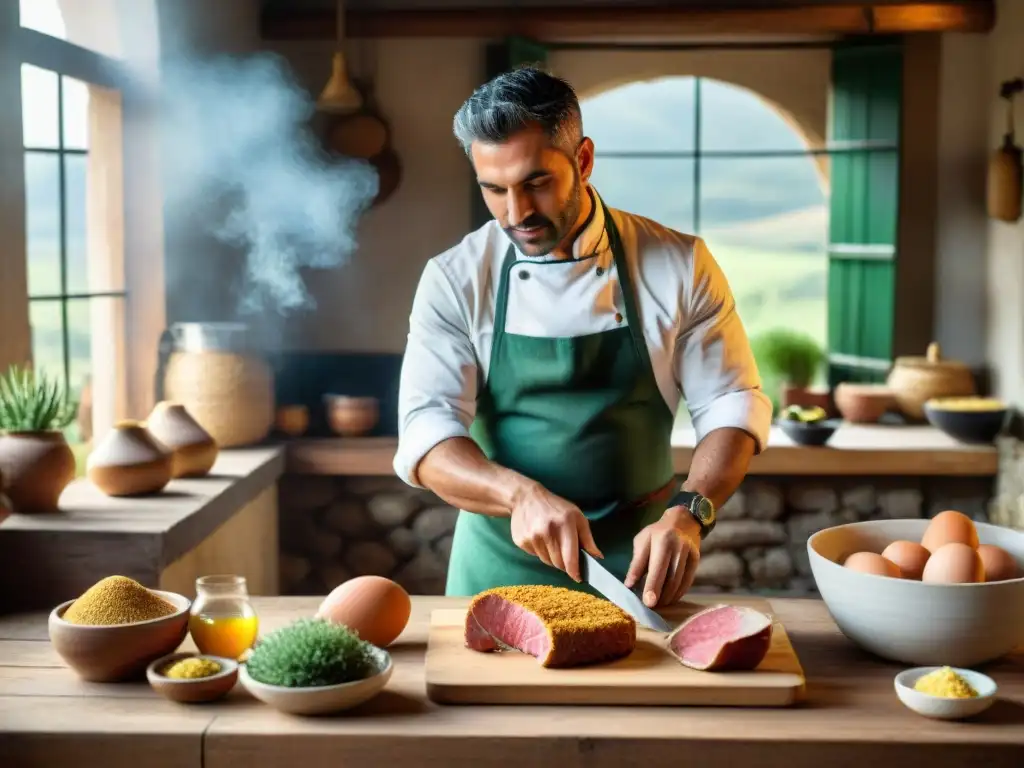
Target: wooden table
851	717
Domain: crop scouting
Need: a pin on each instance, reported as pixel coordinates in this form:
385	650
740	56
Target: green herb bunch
787	356
33	402
308	653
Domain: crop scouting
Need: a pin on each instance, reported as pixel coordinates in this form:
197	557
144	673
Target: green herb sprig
33	402
309	653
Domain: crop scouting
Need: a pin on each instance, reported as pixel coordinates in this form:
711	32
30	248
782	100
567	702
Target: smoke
241	155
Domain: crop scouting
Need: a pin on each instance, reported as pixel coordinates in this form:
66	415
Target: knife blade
605	582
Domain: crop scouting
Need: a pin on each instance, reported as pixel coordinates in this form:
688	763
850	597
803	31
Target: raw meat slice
559	627
722	637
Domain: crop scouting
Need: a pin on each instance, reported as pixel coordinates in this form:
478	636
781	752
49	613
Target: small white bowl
940	707
325	699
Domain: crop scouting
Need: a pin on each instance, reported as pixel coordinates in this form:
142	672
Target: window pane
47	338
76	113
74	217
95	368
733	118
660	189
766	222
649	116
40	126
42	223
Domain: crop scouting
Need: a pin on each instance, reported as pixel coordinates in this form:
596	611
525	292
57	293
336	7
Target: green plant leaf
33	402
787	357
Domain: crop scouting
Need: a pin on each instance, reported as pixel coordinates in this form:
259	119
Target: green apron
584	417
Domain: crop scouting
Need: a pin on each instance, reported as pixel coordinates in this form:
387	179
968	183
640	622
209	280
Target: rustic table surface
851	717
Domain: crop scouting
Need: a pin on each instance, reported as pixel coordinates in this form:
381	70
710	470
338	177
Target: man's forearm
719	464
457	471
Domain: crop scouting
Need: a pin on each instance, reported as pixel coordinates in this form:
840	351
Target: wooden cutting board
649	676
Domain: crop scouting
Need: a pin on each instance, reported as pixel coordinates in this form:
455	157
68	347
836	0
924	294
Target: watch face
705	510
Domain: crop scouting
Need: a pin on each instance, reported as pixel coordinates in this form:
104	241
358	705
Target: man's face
533	190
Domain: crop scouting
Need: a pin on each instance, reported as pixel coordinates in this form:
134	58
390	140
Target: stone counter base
333	528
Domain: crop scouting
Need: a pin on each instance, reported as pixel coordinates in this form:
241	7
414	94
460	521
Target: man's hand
668	551
552	528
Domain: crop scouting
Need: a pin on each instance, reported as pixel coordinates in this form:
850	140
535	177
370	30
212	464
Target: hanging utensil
339	96
1006	168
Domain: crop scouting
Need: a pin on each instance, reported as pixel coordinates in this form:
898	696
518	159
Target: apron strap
626	283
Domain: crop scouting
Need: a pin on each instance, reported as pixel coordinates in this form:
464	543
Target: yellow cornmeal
946	683
192	668
563	610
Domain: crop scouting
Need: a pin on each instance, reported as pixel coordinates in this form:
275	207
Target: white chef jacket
698	347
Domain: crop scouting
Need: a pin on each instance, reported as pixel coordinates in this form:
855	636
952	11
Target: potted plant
35	458
790	361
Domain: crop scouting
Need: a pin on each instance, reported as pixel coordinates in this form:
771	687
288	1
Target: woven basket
230	394
915	380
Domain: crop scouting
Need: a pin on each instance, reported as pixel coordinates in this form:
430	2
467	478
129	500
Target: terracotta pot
38	466
807	398
863	403
352	416
193	450
129	461
292	420
5	504
915	380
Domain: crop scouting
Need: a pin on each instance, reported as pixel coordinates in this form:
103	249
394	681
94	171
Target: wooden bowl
192	691
292	420
352	416
114	652
863	403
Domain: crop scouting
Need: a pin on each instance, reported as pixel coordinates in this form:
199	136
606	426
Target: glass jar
223	621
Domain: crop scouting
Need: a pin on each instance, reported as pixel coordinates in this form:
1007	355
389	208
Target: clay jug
193	450
129	461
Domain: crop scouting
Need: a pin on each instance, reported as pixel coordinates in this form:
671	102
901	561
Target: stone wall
333	528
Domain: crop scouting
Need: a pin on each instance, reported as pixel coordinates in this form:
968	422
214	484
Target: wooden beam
554	23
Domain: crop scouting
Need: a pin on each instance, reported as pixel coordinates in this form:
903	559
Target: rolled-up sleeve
437	387
715	366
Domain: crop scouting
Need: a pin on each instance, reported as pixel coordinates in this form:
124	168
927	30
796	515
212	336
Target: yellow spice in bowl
946	683
117	600
192	668
968	404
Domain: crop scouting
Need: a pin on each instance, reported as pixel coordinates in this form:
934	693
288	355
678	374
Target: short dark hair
516	99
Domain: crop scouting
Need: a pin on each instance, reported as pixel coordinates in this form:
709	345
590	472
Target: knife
605	582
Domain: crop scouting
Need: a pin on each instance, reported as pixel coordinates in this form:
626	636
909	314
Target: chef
546	356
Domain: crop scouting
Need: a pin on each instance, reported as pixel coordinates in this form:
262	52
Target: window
714	159
73	176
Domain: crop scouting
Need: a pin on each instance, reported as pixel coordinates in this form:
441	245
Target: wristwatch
701	508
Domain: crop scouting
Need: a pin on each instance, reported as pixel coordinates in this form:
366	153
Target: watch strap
689	500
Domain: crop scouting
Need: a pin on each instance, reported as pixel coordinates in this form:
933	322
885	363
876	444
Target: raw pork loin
560	627
723	637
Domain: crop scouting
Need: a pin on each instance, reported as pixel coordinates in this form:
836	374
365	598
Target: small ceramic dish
812	433
940	707
322	700
192	690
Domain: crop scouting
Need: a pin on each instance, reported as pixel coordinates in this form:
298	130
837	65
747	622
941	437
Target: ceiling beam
554	23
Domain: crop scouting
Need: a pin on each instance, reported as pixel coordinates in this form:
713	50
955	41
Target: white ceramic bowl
321	700
911	622
940	707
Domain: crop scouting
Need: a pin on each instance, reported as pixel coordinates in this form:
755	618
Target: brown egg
999	564
947	527
871	562
954	563
375	608
909	557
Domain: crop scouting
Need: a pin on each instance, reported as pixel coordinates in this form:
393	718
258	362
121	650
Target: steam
241	155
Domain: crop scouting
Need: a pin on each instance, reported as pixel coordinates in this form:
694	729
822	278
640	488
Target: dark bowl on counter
975	420
810	433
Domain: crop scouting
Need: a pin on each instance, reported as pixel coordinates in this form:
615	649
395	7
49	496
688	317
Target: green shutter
864	132
501	57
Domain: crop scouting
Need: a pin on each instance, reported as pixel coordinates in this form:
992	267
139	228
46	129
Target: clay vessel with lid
194	450
129	461
915	380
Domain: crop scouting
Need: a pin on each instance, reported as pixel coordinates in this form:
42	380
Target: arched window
710	158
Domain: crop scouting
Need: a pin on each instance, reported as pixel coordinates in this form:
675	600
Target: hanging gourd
1006	168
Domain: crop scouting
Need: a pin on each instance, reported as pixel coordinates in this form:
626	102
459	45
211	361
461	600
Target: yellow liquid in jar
227	636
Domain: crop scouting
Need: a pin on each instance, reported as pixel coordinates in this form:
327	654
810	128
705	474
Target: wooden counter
851	717
224	521
855	449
